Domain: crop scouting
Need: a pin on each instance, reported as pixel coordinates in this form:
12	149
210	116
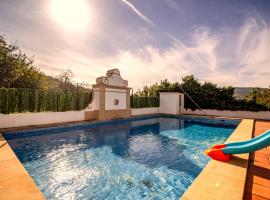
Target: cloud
145	31
143	66
149	64
254	44
238	58
137	12
228	55
174	5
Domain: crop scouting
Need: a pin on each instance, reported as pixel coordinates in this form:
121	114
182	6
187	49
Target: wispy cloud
234	55
173	4
227	58
145	31
137	12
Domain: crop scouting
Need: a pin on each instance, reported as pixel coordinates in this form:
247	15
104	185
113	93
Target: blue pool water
144	158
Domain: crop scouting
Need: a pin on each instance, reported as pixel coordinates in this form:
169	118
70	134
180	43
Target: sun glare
73	15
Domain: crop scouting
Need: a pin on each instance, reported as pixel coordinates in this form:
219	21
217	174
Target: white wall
111	95
28	119
144	111
227	113
169	103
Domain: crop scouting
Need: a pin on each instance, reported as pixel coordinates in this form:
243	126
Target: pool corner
224	179
15	182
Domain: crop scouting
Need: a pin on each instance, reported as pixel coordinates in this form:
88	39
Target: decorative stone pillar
111	98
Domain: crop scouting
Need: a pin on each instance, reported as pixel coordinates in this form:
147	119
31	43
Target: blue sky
226	42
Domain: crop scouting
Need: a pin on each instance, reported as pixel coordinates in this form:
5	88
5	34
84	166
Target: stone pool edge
15	182
223	180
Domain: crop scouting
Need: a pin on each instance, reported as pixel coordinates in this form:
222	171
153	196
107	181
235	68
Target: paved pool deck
258	176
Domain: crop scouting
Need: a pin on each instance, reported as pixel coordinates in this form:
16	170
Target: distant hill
242	92
53	83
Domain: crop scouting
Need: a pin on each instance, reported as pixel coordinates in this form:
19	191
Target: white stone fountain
111	97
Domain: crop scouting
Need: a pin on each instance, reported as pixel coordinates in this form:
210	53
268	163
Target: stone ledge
223	180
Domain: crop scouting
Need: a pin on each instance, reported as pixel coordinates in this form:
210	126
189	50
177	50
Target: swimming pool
155	157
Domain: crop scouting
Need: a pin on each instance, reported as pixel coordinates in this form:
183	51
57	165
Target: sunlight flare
72	15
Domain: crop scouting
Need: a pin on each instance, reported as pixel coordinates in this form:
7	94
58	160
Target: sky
226	42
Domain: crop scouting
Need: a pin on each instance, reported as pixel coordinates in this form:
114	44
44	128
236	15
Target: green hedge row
18	100
225	104
144	102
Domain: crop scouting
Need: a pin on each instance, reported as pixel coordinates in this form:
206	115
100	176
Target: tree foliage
260	96
17	70
65	80
207	95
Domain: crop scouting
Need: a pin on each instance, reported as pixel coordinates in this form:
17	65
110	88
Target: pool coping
224	180
15	182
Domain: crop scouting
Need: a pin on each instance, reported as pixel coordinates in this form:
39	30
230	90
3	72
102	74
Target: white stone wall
169	103
111	95
228	113
28	119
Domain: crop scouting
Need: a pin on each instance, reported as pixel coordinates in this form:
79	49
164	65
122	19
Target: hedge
18	100
144	102
225	104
